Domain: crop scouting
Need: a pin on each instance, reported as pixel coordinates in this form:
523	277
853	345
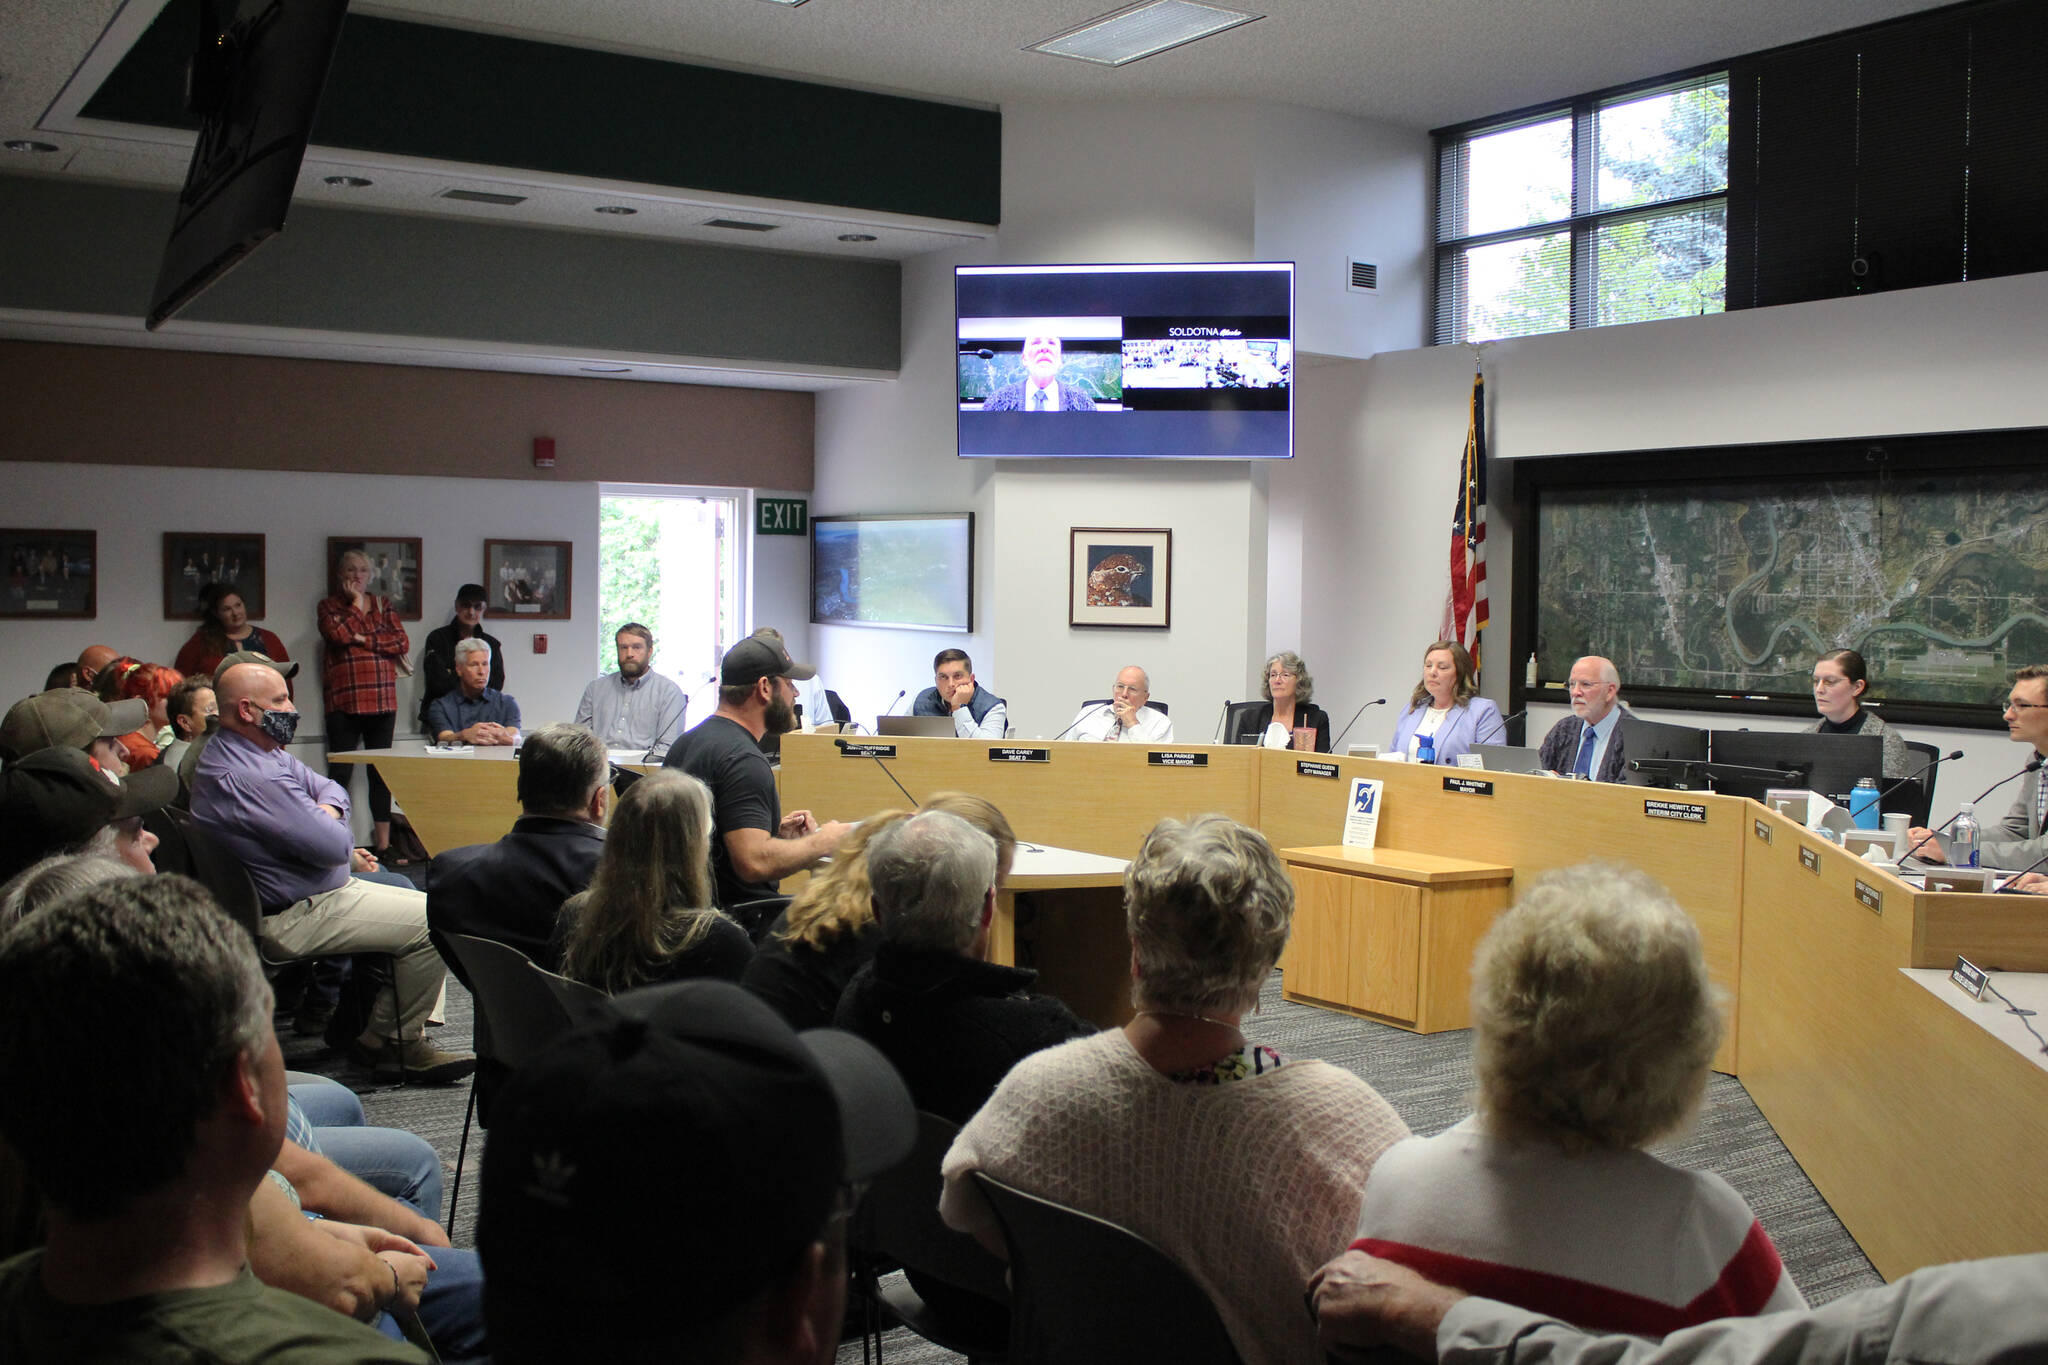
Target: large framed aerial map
1720	589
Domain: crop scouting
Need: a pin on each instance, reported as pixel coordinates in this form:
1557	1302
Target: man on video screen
1041	389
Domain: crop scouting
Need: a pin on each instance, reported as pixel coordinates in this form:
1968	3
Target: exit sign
781	517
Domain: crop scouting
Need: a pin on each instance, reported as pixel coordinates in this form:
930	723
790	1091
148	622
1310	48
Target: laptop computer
931	727
1509	758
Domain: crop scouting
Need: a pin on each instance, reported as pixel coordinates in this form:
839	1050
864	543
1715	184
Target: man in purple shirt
289	827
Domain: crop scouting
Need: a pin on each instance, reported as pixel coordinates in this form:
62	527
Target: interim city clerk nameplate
1176	758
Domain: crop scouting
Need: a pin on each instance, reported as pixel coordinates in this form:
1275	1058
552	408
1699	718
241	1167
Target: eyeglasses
1583	686
2026	706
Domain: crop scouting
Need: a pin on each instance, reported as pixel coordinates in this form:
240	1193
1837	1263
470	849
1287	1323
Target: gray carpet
1427	1079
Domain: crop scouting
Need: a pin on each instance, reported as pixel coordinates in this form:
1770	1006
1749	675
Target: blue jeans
389	1160
452	1307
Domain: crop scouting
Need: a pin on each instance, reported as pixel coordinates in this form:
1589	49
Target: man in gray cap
72	718
756	845
598	1244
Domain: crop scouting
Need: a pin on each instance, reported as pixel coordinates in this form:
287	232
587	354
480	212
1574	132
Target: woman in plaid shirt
364	642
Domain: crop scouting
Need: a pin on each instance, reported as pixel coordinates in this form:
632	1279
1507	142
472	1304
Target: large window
672	559
1613	208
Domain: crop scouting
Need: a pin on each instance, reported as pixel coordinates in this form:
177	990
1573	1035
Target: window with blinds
1611	208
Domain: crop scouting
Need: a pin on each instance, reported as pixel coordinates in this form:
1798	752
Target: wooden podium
1389	934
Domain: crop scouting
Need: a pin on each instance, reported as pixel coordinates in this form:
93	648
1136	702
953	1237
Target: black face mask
280	725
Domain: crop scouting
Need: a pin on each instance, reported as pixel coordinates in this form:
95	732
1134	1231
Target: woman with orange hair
152	684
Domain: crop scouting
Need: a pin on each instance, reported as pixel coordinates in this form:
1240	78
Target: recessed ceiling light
346	182
617	210
1141	30
29	144
856	236
604	369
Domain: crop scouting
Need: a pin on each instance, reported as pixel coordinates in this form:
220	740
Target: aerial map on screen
1940	581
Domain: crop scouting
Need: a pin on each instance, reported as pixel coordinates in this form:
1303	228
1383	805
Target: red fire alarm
540	644
543	452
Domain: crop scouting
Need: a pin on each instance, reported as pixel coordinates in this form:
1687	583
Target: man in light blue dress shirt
634	708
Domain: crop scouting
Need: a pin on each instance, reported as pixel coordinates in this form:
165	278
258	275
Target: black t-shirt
722	755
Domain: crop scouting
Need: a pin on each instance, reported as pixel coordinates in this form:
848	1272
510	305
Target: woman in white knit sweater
1593	1027
1244	1167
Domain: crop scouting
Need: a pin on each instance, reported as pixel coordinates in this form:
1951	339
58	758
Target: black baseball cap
758	657
57	798
472	595
687	1142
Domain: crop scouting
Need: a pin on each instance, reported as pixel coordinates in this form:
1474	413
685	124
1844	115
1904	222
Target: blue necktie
1584	766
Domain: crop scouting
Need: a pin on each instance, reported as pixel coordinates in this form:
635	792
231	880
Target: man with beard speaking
754	845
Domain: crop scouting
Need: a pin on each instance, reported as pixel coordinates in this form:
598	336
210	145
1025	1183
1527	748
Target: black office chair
1074	1278
757	916
516	1015
898	1224
1237	722
1157	705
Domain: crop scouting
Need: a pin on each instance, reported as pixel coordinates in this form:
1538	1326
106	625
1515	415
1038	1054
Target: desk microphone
886	773
1221	716
1505	722
1078	719
1376	701
2033	765
1924	767
2009	889
899	697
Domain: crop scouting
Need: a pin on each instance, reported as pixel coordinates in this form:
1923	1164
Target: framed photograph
1120	577
528	578
908	571
50	574
394	568
193	559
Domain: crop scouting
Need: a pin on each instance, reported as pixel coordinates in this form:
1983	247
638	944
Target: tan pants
367	917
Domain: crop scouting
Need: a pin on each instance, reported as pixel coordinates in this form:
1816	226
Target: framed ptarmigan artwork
1120	576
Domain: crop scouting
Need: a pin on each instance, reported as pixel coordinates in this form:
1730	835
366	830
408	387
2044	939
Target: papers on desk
1362	812
439	750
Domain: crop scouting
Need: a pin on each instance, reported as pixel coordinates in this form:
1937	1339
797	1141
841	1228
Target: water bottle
1962	838
1425	749
1863	804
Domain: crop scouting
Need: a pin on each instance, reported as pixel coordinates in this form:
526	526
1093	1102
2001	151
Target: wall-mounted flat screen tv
1144	362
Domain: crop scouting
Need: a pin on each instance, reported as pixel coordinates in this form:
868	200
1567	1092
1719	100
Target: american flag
1465	608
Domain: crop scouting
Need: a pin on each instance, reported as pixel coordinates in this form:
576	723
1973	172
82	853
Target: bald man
1125	718
1588	742
289	827
92	661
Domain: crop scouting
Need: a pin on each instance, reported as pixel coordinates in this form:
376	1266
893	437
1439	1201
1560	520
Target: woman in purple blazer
1443	712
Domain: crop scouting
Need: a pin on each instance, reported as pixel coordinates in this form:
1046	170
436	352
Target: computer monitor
1662	755
1829	764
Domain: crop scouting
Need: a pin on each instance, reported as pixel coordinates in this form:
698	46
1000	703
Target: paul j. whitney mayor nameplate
1470	786
852	750
1176	758
1006	754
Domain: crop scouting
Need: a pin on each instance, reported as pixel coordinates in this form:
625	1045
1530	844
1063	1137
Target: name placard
1690	811
852	750
1176	758
1809	858
1470	786
1970	979
1009	755
1871	898
1310	768
1763	830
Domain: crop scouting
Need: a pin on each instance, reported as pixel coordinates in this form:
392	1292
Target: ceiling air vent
739	225
484	197
1365	277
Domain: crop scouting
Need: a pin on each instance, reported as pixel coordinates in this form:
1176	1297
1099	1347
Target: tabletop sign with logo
1872	899
1005	754
1470	786
1809	858
782	517
1763	830
1969	978
1306	767
852	750
1176	758
1690	811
